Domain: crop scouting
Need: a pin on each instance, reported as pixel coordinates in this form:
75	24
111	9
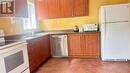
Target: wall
58	24
11	26
68	23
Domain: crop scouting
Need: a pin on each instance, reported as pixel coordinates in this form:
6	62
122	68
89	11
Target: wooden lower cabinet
38	51
91	45
84	45
74	43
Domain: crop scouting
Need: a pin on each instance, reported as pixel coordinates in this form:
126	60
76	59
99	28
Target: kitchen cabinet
74	43
46	9
80	8
84	45
66	8
50	9
38	51
54	8
42	10
91	45
20	9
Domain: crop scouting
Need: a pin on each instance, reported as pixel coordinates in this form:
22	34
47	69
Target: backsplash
11	26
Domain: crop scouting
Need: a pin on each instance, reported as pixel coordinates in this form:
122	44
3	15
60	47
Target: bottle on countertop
76	28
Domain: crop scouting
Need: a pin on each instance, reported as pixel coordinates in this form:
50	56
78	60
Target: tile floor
63	65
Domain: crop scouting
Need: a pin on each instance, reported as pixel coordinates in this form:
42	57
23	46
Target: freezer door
117	13
116	41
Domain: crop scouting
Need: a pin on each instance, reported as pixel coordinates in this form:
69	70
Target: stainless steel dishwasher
59	45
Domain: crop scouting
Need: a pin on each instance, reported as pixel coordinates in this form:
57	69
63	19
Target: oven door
15	60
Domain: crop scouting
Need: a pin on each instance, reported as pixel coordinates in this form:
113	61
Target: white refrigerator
115	32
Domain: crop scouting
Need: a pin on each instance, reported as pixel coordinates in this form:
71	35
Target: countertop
13	42
71	32
23	39
28	37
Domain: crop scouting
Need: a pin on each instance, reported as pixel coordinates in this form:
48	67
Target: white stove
14	58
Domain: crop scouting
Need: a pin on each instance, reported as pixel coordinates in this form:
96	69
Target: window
30	22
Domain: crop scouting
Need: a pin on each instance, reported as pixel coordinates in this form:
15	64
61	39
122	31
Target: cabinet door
54	8
91	45
81	7
34	52
66	8
31	55
38	51
42	9
42	50
75	45
46	47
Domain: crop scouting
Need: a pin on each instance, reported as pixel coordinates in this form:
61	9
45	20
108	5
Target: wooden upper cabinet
80	7
54	8
46	9
66	8
42	9
74	43
61	8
